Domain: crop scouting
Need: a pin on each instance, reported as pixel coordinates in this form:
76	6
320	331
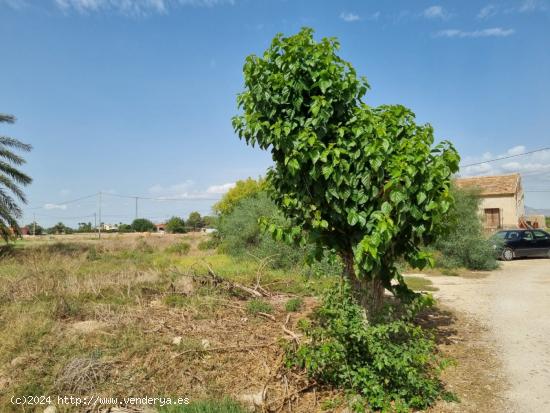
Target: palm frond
11	157
8	206
4	117
9	184
14	173
14	143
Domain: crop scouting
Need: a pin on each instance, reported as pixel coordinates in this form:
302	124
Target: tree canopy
366	182
175	225
242	189
142	225
194	220
11	180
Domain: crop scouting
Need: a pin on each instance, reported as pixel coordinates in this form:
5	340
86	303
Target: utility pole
34	224
136	206
99	216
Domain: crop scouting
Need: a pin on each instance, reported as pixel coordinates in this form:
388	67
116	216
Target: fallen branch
266	315
290	396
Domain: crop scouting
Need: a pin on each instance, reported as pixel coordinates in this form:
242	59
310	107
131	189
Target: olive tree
365	182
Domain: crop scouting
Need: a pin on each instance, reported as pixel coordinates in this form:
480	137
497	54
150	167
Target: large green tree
11	181
176	225
142	225
366	182
242	190
194	220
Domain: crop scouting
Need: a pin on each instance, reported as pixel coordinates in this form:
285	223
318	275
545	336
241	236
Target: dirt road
514	304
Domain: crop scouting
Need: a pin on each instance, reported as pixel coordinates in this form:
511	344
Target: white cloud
14	4
133	7
516	150
188	190
177	190
436	12
349	17
220	189
55	206
534	167
487	11
528	6
491	32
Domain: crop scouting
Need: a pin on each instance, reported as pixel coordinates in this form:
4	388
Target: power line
72	201
58	217
161	198
505	157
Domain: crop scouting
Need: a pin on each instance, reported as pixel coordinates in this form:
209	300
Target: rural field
163	315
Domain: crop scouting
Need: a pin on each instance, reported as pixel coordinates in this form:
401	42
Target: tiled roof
492	185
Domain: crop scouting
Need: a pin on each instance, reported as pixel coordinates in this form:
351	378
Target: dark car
515	243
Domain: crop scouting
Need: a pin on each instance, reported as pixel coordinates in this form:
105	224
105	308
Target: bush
143	247
293	305
142	225
181	248
388	366
240	233
257	305
208	244
463	243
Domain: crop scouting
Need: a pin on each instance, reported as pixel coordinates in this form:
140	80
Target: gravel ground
513	303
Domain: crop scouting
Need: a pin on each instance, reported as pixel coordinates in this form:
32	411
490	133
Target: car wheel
508	254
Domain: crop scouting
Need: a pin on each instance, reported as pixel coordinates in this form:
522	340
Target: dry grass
122	316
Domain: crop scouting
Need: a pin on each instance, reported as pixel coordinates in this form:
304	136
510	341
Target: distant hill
537	211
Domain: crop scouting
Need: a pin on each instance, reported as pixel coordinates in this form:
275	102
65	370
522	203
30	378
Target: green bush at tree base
389	366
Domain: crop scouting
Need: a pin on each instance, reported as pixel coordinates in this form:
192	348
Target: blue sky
136	97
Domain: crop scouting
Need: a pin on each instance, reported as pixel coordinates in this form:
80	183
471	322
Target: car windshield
500	235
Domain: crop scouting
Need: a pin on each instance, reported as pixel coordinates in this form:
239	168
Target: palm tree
10	181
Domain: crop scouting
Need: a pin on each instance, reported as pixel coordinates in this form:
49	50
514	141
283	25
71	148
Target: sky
135	98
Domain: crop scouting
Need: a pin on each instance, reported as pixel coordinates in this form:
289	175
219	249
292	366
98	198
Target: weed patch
257	305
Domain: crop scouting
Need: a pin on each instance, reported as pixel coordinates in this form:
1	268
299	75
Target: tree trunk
368	290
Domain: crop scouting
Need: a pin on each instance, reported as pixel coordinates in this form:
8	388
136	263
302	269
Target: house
502	199
160	227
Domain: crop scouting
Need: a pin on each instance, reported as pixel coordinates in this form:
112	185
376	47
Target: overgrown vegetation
389	366
241	235
463	243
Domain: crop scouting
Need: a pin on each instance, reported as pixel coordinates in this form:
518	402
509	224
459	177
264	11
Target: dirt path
514	304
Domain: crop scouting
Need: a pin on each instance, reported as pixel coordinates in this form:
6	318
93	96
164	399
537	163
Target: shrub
181	248
463	243
389	366
293	304
208	244
142	225
257	305
143	247
240	233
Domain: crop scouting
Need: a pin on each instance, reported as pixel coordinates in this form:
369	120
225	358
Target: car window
500	235
541	235
528	235
513	235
